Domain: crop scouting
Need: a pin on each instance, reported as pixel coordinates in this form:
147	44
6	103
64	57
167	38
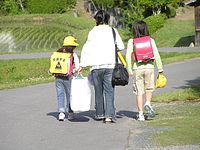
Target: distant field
40	33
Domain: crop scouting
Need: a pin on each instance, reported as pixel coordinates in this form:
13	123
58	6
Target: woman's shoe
109	120
99	118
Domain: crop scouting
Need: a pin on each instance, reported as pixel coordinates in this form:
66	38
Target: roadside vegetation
177	117
189	94
23	72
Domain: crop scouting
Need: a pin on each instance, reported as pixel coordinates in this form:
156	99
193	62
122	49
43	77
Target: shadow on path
85	116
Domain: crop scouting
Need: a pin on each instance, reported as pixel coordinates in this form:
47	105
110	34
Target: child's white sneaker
61	116
141	117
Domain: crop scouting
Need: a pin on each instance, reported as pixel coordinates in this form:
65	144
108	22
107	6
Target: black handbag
120	76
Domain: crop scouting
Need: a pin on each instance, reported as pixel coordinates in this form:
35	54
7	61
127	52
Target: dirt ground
185	13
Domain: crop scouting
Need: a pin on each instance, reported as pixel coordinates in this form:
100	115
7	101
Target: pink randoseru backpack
143	49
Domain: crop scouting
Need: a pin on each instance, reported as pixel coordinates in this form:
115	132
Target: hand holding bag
80	98
120	76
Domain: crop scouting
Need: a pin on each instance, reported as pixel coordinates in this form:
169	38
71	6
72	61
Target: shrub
155	22
50	6
9	7
170	11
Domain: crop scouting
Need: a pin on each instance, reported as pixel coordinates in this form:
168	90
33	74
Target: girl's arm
157	57
129	52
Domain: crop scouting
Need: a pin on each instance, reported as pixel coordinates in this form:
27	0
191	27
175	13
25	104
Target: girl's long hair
140	29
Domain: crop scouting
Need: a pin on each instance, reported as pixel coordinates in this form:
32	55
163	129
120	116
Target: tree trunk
21	5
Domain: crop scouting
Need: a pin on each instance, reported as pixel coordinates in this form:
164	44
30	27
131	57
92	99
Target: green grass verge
187	94
171	57
181	122
180	119
23	72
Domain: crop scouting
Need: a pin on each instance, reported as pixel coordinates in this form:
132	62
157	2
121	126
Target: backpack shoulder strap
71	65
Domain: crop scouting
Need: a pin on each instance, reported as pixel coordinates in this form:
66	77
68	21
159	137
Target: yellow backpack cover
60	63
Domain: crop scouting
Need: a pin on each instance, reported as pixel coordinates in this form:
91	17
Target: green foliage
50	6
9	7
14	7
105	3
132	13
155	22
138	10
154	5
170	11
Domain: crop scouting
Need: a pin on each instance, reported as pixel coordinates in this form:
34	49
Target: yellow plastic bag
161	81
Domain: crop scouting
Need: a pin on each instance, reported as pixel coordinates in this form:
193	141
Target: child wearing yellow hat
64	63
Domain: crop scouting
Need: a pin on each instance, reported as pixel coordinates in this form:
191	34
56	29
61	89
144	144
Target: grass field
175	33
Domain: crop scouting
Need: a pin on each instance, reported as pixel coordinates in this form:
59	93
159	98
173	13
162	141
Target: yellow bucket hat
70	41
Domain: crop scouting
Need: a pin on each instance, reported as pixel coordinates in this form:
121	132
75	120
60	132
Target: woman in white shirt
99	54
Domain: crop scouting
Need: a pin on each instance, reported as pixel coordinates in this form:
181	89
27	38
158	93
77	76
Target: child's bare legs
140	102
147	105
148	97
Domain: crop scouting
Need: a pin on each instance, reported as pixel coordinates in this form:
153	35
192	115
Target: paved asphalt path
28	117
48	54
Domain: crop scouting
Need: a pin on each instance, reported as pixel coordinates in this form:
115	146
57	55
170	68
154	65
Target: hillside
41	32
35	33
178	31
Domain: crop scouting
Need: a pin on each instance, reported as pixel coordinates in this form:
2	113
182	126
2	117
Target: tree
21	4
132	11
10	7
154	5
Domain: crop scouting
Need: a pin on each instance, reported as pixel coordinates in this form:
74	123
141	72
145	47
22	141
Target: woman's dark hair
140	29
101	17
67	49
